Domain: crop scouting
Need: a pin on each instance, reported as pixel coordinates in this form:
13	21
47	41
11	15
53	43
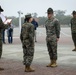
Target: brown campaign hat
50	10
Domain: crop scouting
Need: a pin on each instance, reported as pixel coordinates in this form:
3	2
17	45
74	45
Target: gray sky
39	6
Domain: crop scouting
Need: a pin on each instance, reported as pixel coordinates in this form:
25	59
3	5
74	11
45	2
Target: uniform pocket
26	43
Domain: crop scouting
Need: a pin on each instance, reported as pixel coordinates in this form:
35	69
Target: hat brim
1	10
49	12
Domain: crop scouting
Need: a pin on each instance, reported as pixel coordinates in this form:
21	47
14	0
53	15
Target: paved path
13	56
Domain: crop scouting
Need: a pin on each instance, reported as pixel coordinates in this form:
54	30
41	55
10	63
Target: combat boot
49	65
74	49
1	69
54	64
29	69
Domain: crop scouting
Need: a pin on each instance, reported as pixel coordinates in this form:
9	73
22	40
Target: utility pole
19	12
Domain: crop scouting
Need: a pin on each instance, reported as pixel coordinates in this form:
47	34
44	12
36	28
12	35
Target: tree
60	12
35	15
64	19
41	20
60	15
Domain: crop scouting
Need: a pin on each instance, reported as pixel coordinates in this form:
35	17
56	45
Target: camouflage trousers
0	48
28	52
74	38
52	47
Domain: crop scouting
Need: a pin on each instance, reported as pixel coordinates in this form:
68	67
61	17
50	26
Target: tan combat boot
54	64
29	69
1	69
49	65
74	49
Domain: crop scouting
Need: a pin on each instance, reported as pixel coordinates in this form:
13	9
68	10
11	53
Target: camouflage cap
50	11
74	12
28	16
1	10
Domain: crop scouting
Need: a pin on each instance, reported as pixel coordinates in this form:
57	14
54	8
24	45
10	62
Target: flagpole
19	12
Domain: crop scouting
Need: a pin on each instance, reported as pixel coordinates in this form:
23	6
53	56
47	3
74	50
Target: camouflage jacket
27	32
52	27
2	26
73	25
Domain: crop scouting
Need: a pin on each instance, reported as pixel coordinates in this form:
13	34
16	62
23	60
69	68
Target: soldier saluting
53	34
27	39
73	28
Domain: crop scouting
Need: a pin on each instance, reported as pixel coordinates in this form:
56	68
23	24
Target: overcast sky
39	6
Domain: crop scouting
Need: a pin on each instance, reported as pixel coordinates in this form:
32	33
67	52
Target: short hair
74	12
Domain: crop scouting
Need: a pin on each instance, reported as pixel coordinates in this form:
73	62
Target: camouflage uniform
27	39
2	26
53	32
73	30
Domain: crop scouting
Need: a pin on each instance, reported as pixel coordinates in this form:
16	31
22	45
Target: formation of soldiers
52	26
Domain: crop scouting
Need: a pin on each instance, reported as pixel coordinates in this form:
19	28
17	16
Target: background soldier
73	28
53	33
27	39
2	26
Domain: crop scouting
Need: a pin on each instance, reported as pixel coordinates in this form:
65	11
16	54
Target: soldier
27	39
2	26
73	28
53	34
